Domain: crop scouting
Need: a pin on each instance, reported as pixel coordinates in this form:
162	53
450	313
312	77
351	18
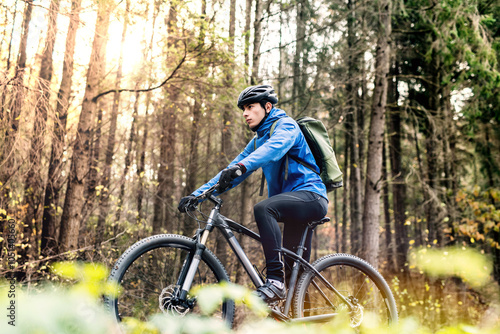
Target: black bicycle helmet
258	93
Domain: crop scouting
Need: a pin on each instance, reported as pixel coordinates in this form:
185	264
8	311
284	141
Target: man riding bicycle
297	194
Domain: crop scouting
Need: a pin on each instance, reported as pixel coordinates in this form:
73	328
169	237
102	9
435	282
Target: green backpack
317	138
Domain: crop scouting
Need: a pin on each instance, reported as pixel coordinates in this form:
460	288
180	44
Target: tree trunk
282	54
353	120
227	148
335	204
418	224
15	104
450	159
21	62
397	174
389	258
163	202
95	152
128	159
11	35
54	179
432	142
159	202
259	9
376	138
356	199
34	183
345	197
141	160
246	51
355	185
244	214
70	221
110	148
298	57
193	165
167	141
141	149
21	66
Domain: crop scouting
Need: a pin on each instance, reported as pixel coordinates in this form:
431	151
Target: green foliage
76	308
90	277
468	264
56	309
480	217
208	298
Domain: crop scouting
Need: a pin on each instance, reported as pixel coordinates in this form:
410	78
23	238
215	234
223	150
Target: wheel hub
356	313
169	304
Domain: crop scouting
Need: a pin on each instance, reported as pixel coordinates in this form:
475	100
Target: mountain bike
156	275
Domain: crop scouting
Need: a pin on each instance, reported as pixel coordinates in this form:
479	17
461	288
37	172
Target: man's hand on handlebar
228	175
187	203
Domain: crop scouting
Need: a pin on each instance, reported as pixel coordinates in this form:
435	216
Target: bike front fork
188	271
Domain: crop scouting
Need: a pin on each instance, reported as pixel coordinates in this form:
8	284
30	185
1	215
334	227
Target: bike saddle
319	222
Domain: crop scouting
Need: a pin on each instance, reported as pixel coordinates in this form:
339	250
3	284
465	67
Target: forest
112	110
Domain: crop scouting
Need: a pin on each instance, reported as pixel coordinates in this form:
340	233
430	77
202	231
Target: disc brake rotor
166	302
355	314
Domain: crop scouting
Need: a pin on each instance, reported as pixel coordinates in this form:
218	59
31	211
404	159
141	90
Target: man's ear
269	106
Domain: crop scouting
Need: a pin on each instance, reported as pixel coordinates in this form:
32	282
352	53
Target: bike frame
226	226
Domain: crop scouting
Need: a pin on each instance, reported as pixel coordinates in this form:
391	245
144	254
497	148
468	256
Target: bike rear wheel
148	273
356	280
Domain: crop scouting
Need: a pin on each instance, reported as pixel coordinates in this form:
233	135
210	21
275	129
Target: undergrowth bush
73	305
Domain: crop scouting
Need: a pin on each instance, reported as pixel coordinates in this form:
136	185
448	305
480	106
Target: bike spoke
317	300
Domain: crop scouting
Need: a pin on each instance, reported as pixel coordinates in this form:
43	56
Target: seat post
295	270
301	248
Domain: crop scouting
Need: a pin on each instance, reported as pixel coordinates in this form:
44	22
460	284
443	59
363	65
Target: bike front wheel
148	274
356	280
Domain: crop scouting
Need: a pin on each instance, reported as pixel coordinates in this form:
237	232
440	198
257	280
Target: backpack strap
263	179
303	163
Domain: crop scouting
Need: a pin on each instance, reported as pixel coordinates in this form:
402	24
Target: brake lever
221	190
193	204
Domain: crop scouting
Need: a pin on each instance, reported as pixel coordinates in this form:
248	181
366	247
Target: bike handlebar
208	194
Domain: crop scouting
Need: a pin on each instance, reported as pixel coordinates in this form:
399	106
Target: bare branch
150	88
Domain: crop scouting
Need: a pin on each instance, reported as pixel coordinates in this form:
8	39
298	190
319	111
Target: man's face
254	113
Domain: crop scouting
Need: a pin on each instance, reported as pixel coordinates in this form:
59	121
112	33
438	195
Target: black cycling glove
228	175
187	203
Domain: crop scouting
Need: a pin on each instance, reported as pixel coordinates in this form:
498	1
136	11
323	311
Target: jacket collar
273	116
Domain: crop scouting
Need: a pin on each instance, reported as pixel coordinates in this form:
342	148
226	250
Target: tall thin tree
54	179
74	201
110	148
34	182
371	211
167	115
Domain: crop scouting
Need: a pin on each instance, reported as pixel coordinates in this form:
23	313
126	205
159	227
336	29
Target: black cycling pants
295	210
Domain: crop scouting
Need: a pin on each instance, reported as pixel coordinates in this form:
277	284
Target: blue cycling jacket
270	156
